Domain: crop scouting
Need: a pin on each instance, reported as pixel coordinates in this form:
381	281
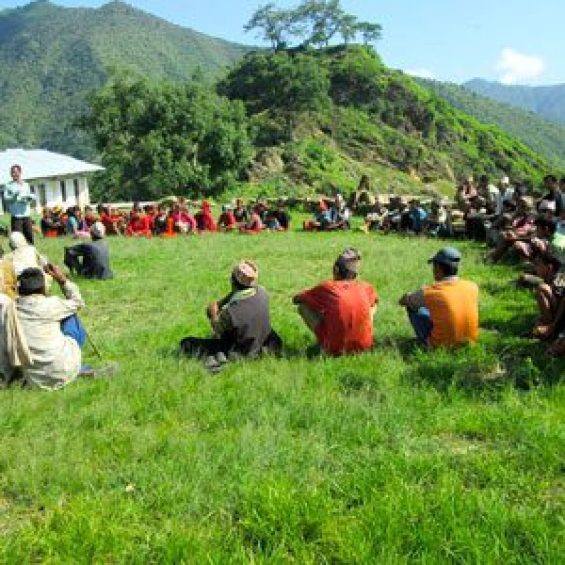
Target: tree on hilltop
313	22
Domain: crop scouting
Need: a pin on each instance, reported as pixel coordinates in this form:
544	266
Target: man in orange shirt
340	311
447	312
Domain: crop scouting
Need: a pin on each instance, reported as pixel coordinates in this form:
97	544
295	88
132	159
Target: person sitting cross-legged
340	311
53	332
550	294
241	322
447	312
95	256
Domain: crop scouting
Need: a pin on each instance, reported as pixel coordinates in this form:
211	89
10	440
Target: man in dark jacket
241	322
95	256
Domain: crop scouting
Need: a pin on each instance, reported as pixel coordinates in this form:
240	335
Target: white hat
97	230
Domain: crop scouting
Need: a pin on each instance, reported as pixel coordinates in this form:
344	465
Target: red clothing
181	217
90	218
227	220
139	225
205	221
347	324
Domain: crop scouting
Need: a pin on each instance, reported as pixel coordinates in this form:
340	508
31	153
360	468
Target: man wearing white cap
240	322
95	255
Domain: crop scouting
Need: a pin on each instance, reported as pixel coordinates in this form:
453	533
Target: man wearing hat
95	255
240	322
340	311
447	312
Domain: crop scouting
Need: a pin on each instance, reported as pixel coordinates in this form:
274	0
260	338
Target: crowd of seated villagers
166	219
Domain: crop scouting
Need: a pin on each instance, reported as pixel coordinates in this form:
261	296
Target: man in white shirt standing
18	197
52	329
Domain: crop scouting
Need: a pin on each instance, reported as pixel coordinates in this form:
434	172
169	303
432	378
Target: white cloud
514	67
420	73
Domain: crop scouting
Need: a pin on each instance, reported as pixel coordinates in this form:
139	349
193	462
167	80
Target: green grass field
393	456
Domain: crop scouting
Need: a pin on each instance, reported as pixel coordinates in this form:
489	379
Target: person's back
454	307
95	255
96	260
251	322
340	311
347	324
56	357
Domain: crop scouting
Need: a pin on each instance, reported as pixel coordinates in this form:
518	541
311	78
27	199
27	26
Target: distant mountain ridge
545	137
51	57
546	101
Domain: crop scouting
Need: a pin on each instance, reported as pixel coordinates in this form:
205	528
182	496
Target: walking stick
93	345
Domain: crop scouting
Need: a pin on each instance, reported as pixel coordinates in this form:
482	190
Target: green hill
351	114
546	101
51	57
545	137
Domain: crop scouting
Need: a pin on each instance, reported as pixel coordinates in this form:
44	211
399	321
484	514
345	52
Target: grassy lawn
393	456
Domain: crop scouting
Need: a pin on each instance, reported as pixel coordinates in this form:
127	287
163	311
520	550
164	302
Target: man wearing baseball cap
340	311
240	322
446	313
95	255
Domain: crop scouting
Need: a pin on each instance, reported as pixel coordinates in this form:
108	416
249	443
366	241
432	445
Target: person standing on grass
447	312
18	197
52	330
241	322
340	311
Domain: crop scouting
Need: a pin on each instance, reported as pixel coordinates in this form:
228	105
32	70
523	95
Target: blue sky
516	41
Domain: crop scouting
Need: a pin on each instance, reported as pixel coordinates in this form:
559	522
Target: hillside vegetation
543	136
547	101
346	102
51	57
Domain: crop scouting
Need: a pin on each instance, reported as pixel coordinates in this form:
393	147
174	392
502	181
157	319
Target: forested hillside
51	57
348	101
545	137
547	101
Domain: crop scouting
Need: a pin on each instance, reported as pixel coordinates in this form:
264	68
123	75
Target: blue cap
446	256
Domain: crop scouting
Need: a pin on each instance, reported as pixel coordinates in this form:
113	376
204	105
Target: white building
54	178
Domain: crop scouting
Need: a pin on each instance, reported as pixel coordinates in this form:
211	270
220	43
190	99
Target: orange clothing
345	307
454	310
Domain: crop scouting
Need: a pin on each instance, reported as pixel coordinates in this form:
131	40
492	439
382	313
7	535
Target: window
63	191
32	188
76	187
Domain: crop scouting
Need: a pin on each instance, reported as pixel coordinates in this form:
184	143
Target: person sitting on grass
321	221
75	226
340	311
52	329
282	215
95	256
521	229
445	314
21	257
139	224
254	225
227	221
183	220
549	293
204	219
241	322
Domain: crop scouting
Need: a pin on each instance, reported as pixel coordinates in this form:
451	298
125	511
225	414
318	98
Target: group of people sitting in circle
166	219
42	335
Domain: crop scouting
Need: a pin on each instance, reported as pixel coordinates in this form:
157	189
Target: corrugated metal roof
41	164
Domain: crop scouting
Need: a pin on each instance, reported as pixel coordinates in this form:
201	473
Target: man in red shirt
340	311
